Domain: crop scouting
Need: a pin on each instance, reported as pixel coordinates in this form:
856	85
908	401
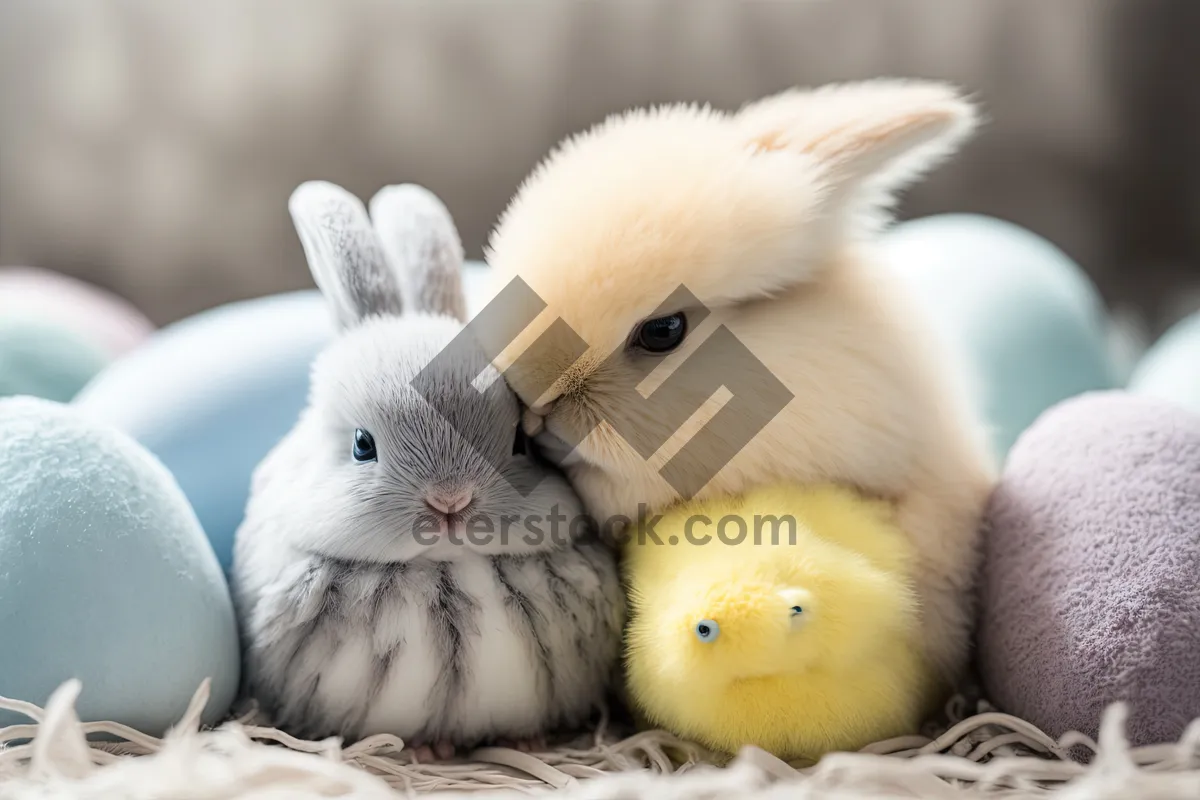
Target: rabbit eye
796	610
520	443
707	630
364	446
661	334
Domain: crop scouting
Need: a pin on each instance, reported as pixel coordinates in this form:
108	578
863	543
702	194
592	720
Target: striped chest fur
457	650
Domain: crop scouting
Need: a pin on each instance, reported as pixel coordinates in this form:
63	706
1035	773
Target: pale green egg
1023	319
45	360
1170	369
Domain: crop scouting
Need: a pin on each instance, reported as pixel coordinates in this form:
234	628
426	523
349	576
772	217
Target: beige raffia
984	754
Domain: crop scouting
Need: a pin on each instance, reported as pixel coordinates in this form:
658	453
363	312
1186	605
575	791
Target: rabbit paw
532	745
427	754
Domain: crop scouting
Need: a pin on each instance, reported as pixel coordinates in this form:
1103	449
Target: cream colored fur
767	217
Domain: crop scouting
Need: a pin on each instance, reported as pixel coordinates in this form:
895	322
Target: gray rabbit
363	605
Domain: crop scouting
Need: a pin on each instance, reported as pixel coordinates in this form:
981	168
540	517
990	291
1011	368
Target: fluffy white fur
766	215
357	617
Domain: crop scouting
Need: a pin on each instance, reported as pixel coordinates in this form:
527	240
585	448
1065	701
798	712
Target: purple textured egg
92	314
1091	584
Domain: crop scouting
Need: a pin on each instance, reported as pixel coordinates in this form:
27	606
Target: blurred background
149	146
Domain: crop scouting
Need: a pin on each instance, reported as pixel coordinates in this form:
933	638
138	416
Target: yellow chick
785	618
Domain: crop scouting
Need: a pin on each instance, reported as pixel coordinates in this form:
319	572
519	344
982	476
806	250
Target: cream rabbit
765	216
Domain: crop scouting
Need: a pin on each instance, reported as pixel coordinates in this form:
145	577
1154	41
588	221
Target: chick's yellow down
793	626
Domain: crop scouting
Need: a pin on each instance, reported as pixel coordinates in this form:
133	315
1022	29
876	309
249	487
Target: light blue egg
1170	370
1026	321
105	575
212	394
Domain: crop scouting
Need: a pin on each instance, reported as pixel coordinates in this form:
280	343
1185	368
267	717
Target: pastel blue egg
1170	369
1025	320
105	575
45	360
212	394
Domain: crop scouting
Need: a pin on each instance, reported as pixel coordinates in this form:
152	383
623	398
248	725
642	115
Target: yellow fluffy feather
799	643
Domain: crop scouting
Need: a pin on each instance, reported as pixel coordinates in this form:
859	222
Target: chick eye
520	445
661	334
707	630
364	446
797	610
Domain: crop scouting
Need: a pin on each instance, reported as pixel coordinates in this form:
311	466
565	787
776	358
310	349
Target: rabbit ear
423	247
344	253
868	139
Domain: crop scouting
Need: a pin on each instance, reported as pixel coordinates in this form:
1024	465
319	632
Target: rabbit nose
448	502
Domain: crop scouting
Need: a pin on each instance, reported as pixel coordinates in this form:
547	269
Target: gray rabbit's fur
353	623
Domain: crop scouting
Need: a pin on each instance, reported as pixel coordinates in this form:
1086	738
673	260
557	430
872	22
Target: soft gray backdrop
149	145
